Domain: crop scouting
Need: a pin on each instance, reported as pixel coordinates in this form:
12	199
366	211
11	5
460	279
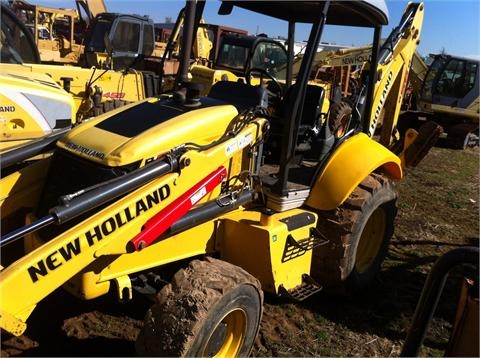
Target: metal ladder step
303	291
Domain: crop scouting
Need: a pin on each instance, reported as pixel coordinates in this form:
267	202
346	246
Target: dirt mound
98	324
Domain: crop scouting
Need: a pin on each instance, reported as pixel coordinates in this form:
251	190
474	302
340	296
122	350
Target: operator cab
240	53
450	81
124	38
300	130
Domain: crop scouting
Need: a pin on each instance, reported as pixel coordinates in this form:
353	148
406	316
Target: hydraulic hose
389	45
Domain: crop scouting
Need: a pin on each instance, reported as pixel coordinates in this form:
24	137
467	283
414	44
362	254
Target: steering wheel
264	73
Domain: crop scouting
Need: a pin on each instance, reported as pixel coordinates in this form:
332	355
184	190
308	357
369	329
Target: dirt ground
438	211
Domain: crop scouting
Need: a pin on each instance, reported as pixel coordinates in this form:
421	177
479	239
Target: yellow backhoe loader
206	202
54	30
93	91
77	36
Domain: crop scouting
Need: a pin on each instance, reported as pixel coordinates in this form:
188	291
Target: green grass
439	199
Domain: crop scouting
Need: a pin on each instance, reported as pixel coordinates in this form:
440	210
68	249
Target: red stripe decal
161	221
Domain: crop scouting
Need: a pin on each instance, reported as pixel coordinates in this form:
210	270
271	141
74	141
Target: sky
451	26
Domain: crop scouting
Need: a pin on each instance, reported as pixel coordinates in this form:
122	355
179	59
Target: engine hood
142	131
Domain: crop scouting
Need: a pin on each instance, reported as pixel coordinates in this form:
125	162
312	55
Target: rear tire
359	232
211	308
461	137
339	118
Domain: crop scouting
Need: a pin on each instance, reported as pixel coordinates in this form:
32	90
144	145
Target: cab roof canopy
366	13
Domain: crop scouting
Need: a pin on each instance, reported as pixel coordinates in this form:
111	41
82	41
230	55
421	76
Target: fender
353	161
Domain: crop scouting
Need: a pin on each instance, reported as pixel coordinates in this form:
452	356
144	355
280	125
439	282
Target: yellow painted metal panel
208	77
119	150
257	243
352	162
22	188
125	86
21	119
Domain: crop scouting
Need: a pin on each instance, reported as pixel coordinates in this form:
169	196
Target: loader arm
394	61
36	275
91	8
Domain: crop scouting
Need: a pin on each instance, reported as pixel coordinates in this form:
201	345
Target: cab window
232	56
126	37
271	57
457	79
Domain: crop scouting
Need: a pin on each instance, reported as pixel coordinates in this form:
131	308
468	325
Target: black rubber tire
119	103
339	117
345	265
108	106
459	136
210	296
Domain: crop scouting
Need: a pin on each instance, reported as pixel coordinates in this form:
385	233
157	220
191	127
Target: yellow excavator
77	36
448	95
206	202
92	36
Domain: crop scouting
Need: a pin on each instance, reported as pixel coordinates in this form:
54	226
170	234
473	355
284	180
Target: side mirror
225	8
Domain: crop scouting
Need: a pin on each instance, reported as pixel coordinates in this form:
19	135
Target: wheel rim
341	126
371	240
466	142
227	336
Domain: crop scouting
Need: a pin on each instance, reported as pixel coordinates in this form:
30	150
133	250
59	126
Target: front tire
359	232
211	308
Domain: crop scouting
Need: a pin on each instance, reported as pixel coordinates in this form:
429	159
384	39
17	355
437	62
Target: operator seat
312	108
239	94
312	131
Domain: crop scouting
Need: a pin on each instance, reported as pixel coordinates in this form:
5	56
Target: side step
294	248
302	292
